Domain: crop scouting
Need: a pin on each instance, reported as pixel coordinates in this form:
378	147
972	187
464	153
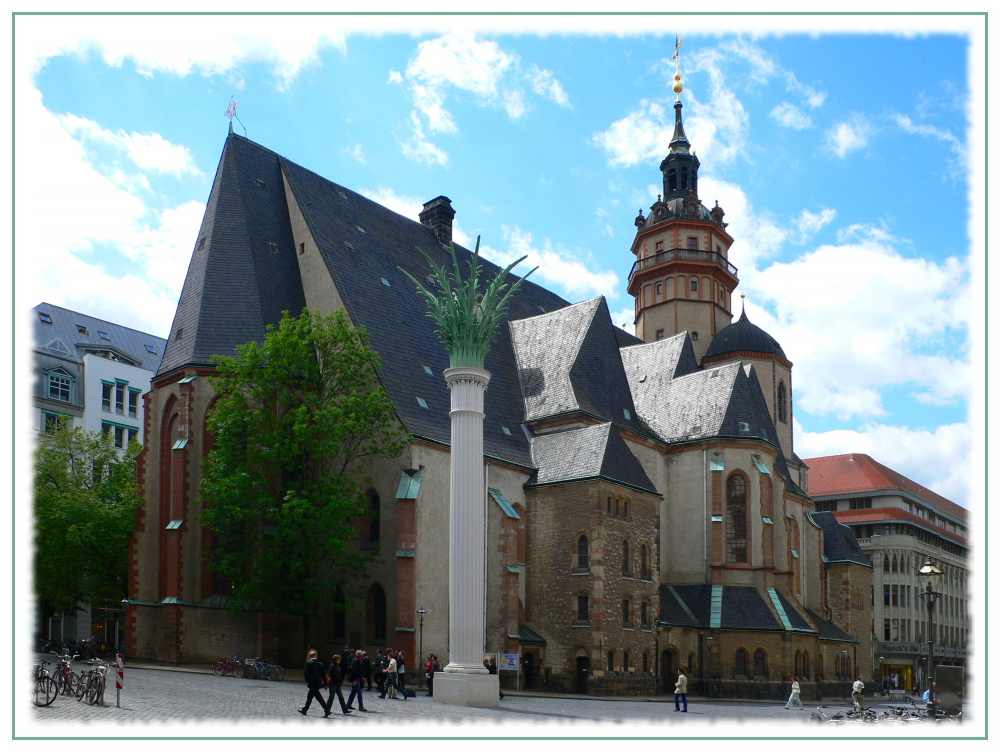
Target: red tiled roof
858	473
870	516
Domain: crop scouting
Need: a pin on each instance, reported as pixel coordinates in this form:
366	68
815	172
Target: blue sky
842	161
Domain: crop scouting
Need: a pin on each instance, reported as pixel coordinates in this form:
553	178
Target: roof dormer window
46	319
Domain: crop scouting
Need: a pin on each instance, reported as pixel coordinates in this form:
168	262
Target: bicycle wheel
102	685
74	680
281	673
45	692
238	670
272	673
84	685
93	689
250	672
218	668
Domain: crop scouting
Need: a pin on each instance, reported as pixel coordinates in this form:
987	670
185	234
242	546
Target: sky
845	151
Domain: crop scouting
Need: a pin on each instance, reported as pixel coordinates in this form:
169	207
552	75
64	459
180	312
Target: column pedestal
469	690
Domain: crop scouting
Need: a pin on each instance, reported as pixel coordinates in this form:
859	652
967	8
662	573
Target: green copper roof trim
402	553
776	601
499	498
126	426
718	461
515	570
760	464
683	604
767	520
409	483
716	518
715	616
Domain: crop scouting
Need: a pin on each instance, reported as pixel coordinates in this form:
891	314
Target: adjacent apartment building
92	373
899	524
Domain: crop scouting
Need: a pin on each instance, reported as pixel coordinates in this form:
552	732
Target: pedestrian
858	693
401	673
315	676
366	669
681	692
433	666
354	676
794	701
346	658
491	667
379	668
336	679
391	686
885	686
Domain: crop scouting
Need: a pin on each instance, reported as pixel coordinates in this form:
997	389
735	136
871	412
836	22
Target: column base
468	690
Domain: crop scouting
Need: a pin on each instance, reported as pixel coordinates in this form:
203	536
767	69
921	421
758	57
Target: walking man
336	679
354	673
315	676
380	664
681	692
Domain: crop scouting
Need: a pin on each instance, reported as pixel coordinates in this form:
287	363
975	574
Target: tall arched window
374	513
583	553
760	663
672	179
885	563
782	402
798	663
741	662
376	614
644	562
339	613
624	660
894	569
805	664
736	520
611	660
626	559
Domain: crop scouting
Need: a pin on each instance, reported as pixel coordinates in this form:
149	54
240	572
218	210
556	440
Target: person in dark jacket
366	669
354	675
401	673
379	668
491	666
315	675
336	679
433	665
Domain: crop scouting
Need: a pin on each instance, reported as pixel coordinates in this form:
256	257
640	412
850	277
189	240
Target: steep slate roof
839	541
585	453
828	630
742	336
129	342
742	606
672	610
842	474
570	360
237	282
380	241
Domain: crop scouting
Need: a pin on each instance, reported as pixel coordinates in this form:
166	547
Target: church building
646	508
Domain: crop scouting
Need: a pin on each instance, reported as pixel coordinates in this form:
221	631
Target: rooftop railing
681	254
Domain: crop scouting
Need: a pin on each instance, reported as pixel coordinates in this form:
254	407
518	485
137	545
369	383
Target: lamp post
845	669
929	576
125	603
656	655
709	640
420	673
881	672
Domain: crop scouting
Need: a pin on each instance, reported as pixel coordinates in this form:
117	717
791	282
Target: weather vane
231	113
678	86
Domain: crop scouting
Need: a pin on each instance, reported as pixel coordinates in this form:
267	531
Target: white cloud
355	152
147	151
410	206
809	223
955	144
940	459
641	136
625	318
846	137
558	266
472	65
791	116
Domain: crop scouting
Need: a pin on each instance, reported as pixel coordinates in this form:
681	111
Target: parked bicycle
94	683
43	688
66	679
229	666
261	668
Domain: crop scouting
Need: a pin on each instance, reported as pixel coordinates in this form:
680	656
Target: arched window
374	513
894	563
782	403
672	179
644	615
798	663
644	562
624	660
376	614
611	660
736	520
626	612
645	663
618	507
583	553
819	667
805	664
684	177
741	662
885	563
760	663
626	559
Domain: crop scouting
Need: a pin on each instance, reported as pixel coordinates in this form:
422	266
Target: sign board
508	662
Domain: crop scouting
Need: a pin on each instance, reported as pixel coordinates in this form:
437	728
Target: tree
86	497
298	421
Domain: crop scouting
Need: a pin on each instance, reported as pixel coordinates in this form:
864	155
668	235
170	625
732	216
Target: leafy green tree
86	497
298	421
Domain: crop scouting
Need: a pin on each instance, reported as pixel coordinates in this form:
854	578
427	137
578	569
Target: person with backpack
354	675
336	679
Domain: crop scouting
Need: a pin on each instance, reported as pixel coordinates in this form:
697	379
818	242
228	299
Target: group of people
355	667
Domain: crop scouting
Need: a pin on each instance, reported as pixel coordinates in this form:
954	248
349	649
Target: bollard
121	680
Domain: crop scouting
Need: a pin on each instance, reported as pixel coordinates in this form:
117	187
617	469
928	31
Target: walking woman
793	698
336	679
401	673
390	676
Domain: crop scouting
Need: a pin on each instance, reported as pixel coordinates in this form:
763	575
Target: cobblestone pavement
157	702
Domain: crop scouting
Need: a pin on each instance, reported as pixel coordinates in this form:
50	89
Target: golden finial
678	86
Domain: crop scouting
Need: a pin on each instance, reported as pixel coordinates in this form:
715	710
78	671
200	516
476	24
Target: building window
644	614
741	662
339	613
861	503
133	403
374	513
45	317
120	399
122	434
60	387
626	616
626	559
692	243
659	246
51	421
827	506
624	660
659	334
611	660
760	663
582	608
736	520
659	288
645	663
643	562
694	285
583	553
782	403
107	391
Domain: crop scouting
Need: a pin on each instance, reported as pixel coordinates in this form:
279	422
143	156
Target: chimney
437	215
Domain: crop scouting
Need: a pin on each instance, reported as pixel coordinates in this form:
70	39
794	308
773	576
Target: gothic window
582	608
741	662
376	613
583	553
644	615
805	664
736	520
626	562
782	403
885	563
626	616
644	562
374	510
611	660
624	660
798	663
894	569
760	663
672	180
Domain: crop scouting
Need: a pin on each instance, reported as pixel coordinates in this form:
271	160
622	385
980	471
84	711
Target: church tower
682	279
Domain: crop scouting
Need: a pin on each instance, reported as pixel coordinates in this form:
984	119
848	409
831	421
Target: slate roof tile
839	541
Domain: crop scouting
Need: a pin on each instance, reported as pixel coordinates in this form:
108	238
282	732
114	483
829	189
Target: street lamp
125	602
420	673
929	576
881	672
709	640
845	668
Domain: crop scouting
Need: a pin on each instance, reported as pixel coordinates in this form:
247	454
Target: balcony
681	254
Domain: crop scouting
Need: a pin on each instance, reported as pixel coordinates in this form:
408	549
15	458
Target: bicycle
225	666
44	689
94	683
66	679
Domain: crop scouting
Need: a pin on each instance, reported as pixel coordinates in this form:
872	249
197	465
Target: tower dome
743	337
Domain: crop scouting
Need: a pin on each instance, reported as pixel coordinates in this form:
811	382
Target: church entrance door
582	672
